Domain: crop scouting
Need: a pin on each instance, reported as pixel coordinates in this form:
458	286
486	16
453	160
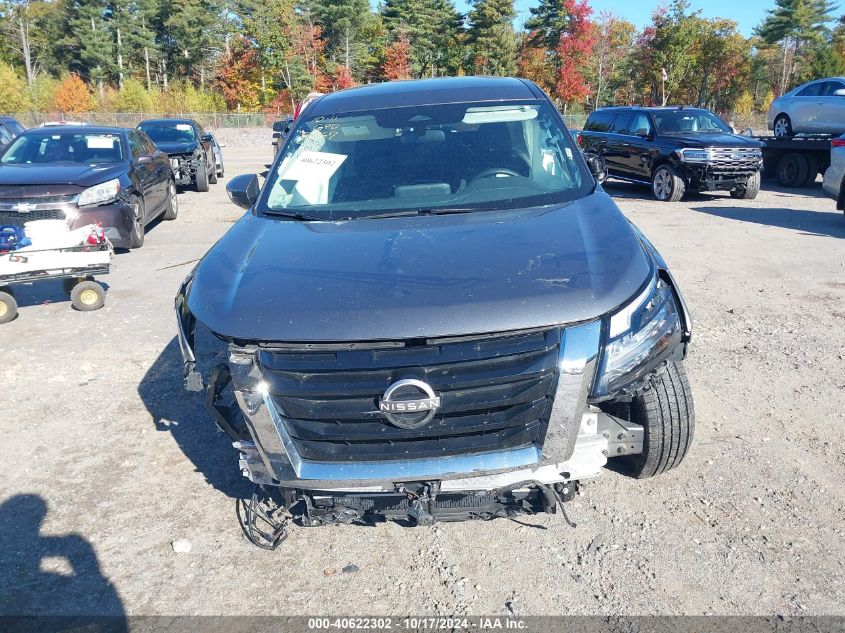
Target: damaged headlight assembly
639	337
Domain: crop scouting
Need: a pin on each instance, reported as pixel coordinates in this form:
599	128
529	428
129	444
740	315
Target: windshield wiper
291	215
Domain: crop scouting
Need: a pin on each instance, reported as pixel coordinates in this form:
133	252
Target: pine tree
798	26
492	38
433	28
92	39
549	19
342	22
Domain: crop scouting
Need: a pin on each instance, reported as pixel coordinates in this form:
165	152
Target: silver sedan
817	107
834	177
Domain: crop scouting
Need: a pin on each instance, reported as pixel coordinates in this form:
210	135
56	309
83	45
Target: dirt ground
105	460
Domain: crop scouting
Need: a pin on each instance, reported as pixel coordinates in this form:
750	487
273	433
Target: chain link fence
217	120
211	120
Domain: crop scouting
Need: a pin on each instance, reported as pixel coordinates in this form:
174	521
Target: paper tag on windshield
313	166
184	127
99	142
312	172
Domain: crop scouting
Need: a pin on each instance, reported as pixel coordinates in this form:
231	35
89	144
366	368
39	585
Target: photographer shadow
51	582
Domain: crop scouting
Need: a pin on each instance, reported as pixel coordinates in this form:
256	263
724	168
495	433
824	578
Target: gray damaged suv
433	312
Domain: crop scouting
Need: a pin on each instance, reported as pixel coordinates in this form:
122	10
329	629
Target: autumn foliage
72	95
573	52
342	78
239	76
397	59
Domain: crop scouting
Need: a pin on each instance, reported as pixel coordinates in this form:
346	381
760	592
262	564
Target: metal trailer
76	265
795	161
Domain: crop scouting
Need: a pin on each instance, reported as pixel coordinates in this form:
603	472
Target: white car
817	107
834	177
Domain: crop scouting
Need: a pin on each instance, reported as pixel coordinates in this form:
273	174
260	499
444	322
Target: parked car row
119	178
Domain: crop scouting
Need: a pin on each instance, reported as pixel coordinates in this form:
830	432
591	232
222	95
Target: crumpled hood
177	148
59	174
425	276
715	140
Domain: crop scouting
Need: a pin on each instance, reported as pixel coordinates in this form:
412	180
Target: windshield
169	132
686	121
442	158
64	147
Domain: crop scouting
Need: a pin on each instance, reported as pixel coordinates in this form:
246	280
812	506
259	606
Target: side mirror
839	93
243	190
207	138
597	166
279	126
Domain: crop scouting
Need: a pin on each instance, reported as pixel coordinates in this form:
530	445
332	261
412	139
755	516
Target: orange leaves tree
573	52
563	34
72	95
397	59
239	76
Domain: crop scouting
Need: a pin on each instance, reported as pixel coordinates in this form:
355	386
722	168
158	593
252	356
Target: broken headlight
639	337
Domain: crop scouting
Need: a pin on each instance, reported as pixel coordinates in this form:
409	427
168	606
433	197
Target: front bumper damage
185	168
576	445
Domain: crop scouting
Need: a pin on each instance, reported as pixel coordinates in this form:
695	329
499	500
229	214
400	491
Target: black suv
675	150
434	312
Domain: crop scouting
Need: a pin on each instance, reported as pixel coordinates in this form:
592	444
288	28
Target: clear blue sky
747	13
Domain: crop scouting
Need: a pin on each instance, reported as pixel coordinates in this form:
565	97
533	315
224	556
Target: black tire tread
748	192
170	213
679	187
665	409
201	178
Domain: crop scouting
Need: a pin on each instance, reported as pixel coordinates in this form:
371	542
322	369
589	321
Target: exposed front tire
87	296
667	185
782	126
8	307
666	412
750	190
136	238
171	211
201	179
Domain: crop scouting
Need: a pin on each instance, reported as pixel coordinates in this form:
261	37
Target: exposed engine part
185	167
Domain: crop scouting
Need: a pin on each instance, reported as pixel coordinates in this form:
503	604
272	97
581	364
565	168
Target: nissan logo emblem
409	403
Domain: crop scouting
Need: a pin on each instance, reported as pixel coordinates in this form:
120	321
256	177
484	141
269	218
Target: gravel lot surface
105	461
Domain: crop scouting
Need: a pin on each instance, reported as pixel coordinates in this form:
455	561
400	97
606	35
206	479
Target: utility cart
76	265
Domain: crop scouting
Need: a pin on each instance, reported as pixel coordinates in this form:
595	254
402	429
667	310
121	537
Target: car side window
599	122
5	136
830	87
135	145
640	125
620	123
813	90
149	147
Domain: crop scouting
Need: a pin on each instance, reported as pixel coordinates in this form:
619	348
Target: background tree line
253	55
